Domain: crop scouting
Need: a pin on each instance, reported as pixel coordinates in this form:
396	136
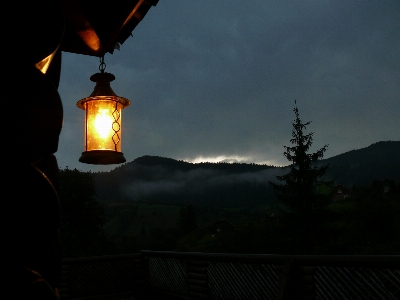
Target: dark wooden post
285	279
296	282
306	283
142	281
63	290
198	279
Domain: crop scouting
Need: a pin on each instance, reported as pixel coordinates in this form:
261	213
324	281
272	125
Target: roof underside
95	28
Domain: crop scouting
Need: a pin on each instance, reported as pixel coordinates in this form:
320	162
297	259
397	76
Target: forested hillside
152	179
162	204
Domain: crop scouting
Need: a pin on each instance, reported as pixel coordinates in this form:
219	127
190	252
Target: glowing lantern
103	122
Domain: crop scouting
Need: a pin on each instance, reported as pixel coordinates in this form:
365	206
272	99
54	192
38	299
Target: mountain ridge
155	179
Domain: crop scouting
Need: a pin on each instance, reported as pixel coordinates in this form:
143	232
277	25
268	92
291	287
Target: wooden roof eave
96	30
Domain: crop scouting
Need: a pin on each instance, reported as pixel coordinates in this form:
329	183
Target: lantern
103	127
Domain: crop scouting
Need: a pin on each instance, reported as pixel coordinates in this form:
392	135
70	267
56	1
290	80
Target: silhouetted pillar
31	122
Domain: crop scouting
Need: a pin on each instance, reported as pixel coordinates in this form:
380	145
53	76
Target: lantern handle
103	65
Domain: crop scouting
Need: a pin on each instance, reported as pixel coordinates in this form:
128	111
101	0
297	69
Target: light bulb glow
103	130
103	124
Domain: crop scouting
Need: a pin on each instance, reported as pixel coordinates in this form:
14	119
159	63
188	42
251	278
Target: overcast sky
215	80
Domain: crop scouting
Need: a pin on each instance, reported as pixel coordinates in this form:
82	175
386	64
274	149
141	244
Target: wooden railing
180	275
109	277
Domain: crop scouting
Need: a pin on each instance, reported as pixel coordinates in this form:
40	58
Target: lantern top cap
103	90
102	77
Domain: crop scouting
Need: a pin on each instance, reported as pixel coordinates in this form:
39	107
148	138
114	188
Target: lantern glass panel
103	125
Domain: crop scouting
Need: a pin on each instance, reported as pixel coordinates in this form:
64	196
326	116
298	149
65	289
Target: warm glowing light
103	129
103	124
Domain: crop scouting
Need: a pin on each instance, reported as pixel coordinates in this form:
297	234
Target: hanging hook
103	65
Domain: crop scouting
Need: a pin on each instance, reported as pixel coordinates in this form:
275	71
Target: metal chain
103	65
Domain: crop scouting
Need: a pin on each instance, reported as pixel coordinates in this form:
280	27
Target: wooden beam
82	26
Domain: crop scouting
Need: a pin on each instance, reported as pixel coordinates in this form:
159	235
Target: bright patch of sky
232	159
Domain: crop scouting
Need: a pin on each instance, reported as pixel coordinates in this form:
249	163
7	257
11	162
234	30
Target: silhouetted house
384	186
340	192
387	186
219	227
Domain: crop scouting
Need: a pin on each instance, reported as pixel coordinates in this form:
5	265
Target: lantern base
102	157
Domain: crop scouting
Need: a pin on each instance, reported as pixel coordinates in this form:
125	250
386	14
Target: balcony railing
177	275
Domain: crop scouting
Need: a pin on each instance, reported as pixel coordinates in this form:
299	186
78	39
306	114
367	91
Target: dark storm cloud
211	78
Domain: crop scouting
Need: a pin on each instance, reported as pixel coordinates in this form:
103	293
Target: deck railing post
285	280
198	279
142	282
63	289
296	281
306	282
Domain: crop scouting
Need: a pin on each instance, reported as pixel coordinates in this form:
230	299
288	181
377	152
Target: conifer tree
302	189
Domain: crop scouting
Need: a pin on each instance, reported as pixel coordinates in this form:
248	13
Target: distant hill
378	161
153	179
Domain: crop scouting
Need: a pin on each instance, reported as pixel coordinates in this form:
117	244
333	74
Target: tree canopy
82	217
